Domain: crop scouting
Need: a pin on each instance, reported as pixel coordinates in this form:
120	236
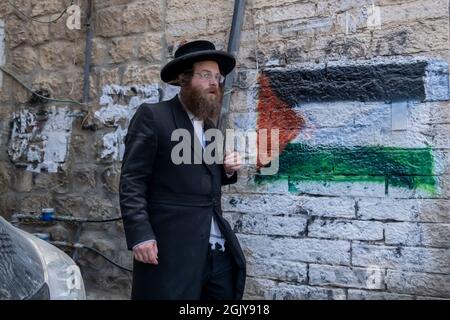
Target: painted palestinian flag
354	123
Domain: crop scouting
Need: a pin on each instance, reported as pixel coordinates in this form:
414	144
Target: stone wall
359	208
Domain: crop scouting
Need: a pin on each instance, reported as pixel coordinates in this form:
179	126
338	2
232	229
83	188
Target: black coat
171	203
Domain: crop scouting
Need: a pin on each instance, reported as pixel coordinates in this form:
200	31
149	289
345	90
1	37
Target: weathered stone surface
387	209
258	4
277	270
150	47
414	38
83	147
24	59
283	225
418	283
283	204
122	49
418	234
100	49
346	229
5	177
259	204
435	235
93	207
59	31
59	231
400	39
142	16
23	181
109	21
401	258
108	77
404	233
186	10
110	179
247	182
187	28
84	178
376	295
39	8
337	189
438	112
110	3
137	74
38	33
8	204
302	250
56	55
57	183
271	290
33	202
64	83
441	139
16	33
287	12
414	11
336	276
427	210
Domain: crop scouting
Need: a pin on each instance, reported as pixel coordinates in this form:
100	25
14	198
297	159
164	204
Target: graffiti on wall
351	110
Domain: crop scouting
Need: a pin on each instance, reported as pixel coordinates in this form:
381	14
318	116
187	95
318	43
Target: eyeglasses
206	75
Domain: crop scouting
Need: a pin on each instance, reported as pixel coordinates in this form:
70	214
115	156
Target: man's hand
146	252
232	162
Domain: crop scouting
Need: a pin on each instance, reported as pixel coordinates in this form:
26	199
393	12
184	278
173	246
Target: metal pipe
88	51
77	238
76	246
233	48
35	217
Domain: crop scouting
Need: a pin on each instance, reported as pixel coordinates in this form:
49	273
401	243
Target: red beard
204	104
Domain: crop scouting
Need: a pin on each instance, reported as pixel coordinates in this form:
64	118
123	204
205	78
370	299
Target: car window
21	271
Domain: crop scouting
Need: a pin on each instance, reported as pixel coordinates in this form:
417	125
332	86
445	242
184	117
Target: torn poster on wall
119	105
40	140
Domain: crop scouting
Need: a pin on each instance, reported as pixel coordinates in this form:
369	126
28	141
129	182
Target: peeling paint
120	102
113	146
119	105
41	145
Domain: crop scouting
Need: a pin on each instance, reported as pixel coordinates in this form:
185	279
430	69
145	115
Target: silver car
31	268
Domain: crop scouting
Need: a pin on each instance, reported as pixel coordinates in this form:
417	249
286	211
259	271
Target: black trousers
219	273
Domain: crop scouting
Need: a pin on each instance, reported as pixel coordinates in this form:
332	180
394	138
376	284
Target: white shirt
215	234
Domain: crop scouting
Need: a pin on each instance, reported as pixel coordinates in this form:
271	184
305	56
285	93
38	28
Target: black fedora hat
195	51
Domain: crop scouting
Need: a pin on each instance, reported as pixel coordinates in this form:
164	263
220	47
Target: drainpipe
87	70
233	48
87	52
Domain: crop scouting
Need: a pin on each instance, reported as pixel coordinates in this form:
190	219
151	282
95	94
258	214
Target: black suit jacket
171	203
